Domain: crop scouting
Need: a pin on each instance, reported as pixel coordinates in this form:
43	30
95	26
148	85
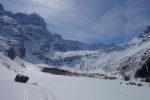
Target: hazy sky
90	21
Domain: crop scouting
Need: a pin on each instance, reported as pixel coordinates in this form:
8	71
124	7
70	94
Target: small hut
21	78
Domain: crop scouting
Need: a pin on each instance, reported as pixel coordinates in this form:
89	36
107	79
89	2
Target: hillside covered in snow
133	58
44	86
35	40
60	69
26	36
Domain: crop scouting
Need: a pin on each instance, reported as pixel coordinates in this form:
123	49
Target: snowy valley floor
56	87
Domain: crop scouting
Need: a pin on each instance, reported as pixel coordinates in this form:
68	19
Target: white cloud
89	20
124	20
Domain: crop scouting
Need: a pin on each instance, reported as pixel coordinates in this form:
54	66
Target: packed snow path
48	94
25	97
19	91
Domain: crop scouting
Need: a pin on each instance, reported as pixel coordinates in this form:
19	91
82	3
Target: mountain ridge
33	30
27	36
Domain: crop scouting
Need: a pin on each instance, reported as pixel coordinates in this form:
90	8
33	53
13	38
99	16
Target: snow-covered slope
42	86
36	41
27	36
126	62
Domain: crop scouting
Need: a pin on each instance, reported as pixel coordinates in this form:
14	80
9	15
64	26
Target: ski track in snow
48	93
25	97
51	93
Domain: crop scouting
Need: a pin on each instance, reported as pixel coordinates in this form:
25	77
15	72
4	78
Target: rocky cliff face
10	31
27	36
34	39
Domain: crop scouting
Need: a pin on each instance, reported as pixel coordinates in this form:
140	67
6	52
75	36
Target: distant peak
35	14
147	29
1	7
33	19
